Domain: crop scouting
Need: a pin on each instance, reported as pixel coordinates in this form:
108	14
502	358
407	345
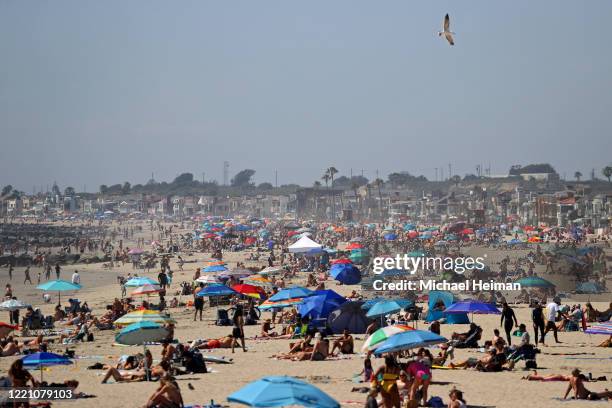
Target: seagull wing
449	38
446	22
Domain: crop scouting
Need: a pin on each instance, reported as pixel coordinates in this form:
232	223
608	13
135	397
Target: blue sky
104	92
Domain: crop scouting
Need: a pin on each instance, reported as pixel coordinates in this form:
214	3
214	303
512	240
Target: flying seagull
447	33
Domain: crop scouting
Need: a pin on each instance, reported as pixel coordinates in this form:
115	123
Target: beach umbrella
43	359
354	245
279	391
250	290
386	307
13	304
216	290
146	290
207	279
600	328
6	328
257	280
280	304
136	251
408	340
347	274
321	304
272	270
291	293
236	272
535	282
341	261
140	281
349	316
215	268
367	305
142	316
390	237
383	334
141	332
472	306
58	286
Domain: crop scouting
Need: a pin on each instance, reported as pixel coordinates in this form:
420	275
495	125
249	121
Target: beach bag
90	337
436	402
223	318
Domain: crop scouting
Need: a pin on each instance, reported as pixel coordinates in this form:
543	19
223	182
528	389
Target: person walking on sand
198	302
27	275
48	271
58	269
238	330
10	271
508	315
537	316
552	310
76	278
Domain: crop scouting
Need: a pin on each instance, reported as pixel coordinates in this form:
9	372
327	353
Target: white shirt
551	311
76	279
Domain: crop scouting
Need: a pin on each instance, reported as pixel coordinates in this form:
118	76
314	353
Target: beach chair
223	318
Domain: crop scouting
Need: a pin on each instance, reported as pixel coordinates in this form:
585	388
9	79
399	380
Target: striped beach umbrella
268	304
142	316
146	290
383	334
600	328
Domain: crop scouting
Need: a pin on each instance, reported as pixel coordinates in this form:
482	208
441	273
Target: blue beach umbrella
409	340
40	360
321	304
535	282
140	281
137	334
216	290
347	274
386	307
291	293
58	286
472	306
215	268
390	237
279	391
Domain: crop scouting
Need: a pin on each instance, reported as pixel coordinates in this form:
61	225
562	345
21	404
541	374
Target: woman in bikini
386	377
421	375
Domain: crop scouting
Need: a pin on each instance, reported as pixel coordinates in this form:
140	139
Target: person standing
48	271
198	302
552	310
162	278
238	330
537	316
27	275
10	271
76	278
508	315
58	269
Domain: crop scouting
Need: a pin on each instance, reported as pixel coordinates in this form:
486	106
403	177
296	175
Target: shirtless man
345	343
167	395
576	384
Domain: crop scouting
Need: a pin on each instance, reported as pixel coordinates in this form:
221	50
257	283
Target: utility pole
436	174
450	171
276	178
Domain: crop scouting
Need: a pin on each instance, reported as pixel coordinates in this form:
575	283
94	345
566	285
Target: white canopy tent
305	245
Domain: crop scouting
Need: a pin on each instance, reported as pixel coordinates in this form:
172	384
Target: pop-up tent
446	298
305	245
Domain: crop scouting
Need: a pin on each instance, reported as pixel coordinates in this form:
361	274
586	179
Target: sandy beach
333	376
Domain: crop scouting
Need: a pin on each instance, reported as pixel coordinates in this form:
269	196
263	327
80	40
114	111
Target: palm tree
607	172
332	172
326	177
577	175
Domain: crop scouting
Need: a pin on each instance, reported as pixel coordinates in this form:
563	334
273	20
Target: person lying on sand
221	342
545	378
576	384
10	347
473	362
167	395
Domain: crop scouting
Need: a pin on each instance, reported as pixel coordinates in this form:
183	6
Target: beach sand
505	389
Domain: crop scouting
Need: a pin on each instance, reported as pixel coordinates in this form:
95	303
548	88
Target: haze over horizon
98	93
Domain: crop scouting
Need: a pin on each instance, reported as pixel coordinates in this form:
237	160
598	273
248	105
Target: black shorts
199	303
237	333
